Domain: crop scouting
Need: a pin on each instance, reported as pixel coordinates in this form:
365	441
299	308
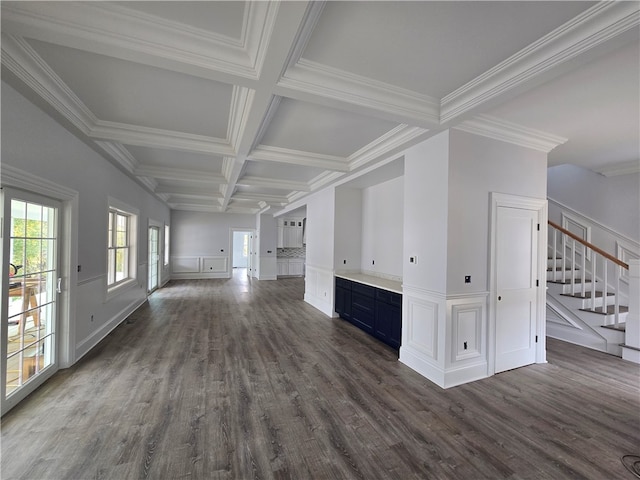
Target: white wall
267	231
201	243
319	289
382	228
425	213
348	229
478	166
33	142
610	201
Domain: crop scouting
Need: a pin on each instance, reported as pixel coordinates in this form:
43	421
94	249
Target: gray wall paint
205	234
611	201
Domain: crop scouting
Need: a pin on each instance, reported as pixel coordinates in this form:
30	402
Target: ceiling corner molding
311	17
120	154
106	28
249	181
395	138
597	25
318	182
25	63
327	82
15	177
178	174
504	131
241	100
155	137
296	157
625	168
258	25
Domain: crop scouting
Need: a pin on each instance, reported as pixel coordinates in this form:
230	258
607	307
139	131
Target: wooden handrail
615	260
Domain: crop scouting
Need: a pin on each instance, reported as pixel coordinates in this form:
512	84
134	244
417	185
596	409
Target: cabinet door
388	323
280	237
283	267
363	311
295	267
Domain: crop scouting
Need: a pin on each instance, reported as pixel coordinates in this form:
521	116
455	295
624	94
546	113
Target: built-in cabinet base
374	310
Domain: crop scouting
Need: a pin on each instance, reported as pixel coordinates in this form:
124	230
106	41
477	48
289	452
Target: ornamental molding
328	82
497	129
595	26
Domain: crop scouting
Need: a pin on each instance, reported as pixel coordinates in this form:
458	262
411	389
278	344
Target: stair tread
586	295
568	281
621	327
611	309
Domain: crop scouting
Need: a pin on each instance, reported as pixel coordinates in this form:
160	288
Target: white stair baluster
583	274
554	263
617	294
594	257
604	286
564	259
573	267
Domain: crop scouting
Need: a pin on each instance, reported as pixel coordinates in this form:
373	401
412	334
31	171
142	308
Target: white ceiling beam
276	48
295	157
190	192
312	82
109	29
178	174
249	181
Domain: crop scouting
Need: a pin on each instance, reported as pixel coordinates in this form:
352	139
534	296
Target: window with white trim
121	246
166	245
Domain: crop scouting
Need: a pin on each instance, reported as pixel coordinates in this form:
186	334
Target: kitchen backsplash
299	252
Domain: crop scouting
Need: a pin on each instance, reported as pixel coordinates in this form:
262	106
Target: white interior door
154	258
516	251
30	288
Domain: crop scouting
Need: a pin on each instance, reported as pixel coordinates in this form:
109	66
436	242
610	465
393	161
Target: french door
30	288
154	258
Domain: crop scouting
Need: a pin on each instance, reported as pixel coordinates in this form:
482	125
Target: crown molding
311	17
320	181
241	100
395	138
196	207
258	26
156	137
266	120
623	168
256	198
491	127
111	29
249	181
15	177
327	82
25	63
120	154
597	25
188	192
296	157
178	174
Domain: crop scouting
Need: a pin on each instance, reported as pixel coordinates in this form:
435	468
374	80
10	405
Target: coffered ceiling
247	106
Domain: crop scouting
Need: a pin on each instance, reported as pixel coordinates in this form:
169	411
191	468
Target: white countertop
378	282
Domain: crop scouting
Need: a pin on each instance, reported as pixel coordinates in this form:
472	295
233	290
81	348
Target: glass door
154	258
30	287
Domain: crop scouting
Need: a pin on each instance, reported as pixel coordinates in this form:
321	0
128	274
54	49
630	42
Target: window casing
121	248
166	245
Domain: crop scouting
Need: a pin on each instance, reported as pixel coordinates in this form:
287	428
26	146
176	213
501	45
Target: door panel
516	272
30	287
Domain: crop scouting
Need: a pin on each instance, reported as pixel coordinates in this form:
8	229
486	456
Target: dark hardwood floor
230	379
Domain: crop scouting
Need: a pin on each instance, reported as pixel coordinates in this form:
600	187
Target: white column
631	348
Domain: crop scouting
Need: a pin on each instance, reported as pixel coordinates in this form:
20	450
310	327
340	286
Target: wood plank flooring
237	379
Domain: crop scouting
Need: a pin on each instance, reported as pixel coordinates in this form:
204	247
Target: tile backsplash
299	252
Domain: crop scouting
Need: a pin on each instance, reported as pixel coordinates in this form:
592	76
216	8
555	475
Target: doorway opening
241	252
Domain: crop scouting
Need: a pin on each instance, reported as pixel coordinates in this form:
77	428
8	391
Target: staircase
586	300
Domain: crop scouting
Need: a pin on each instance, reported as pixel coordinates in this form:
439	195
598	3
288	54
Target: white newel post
631	347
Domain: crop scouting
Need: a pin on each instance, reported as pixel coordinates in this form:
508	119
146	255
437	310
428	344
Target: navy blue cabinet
374	310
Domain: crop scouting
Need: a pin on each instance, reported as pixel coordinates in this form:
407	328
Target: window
166	245
121	245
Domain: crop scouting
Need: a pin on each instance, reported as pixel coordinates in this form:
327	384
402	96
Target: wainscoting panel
467	322
319	289
185	264
214	264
